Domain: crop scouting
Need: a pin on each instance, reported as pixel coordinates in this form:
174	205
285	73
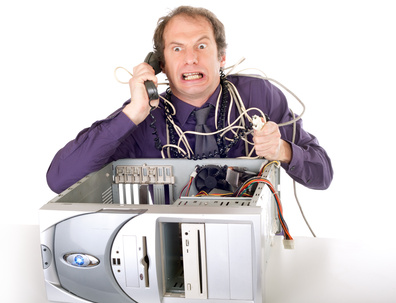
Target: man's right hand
139	108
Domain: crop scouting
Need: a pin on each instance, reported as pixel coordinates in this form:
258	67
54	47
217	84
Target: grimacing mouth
192	76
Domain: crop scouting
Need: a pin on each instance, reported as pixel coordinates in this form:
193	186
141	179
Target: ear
223	60
162	66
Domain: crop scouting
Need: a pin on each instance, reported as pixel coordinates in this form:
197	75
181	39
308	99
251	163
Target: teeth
192	76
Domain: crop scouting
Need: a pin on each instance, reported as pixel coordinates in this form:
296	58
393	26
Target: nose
191	57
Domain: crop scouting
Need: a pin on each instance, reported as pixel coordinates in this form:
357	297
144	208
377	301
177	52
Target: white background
56	66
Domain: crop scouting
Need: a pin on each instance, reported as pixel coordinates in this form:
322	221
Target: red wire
188	184
280	209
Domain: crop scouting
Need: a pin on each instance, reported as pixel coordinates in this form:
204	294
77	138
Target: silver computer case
129	233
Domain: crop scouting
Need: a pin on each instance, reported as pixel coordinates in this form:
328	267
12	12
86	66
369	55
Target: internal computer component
211	177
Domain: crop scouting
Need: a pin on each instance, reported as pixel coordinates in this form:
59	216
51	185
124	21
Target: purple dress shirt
117	137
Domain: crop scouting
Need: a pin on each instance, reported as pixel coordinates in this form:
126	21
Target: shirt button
292	168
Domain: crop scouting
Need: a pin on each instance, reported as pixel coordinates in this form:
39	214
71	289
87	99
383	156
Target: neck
196	103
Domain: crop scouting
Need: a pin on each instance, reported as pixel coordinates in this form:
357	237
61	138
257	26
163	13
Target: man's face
192	63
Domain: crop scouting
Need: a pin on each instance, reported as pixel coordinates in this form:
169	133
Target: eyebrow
205	37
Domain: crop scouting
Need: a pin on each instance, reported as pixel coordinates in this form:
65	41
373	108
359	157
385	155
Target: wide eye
202	46
177	49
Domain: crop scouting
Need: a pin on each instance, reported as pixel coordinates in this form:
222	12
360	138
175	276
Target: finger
268	133
269	128
144	72
268	151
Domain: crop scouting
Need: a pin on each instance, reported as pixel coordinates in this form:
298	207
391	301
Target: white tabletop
331	270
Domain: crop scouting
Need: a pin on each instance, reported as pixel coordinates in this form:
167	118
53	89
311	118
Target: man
190	44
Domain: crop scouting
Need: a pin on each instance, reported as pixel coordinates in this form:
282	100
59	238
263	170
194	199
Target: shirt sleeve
89	151
310	164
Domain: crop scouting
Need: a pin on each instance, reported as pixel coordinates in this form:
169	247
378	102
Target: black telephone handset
152	91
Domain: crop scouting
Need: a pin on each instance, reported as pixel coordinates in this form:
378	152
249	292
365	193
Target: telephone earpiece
152	59
152	91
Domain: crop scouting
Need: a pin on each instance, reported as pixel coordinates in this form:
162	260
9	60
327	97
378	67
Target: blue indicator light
79	260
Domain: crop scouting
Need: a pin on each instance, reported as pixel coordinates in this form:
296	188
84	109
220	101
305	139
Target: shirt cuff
296	165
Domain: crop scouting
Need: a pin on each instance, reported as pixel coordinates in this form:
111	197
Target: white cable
226	129
234	95
299	206
123	82
241	108
182	138
217	103
294	183
233	66
288	90
115	74
178	131
182	135
171	145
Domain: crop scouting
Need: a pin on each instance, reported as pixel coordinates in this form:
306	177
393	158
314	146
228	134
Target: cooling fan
211	177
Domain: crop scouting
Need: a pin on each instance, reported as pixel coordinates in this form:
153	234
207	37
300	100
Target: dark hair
193	12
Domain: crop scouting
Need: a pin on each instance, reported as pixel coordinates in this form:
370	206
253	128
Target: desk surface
317	270
331	270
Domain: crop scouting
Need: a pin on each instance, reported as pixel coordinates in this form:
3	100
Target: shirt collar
184	110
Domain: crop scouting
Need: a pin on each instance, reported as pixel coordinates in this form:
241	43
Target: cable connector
288	244
258	122
194	172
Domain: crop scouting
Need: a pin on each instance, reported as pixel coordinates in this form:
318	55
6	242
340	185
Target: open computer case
162	230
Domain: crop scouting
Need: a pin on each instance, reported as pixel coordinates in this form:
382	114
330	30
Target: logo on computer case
80	260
